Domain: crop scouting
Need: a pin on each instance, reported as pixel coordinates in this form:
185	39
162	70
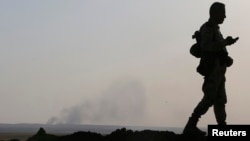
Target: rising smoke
122	103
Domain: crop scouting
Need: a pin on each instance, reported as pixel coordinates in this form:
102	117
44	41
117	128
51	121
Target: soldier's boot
191	128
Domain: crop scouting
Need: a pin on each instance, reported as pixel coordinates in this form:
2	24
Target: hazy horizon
113	62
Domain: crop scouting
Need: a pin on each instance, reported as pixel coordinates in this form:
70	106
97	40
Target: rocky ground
122	134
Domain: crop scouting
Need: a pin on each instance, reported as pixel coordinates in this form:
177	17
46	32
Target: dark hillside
122	134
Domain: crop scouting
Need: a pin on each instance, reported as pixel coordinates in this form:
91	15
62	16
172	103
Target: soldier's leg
210	89
220	113
220	105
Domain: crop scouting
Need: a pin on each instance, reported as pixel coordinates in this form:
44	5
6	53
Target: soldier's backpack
195	49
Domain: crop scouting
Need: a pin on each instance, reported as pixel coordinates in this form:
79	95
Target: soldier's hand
230	40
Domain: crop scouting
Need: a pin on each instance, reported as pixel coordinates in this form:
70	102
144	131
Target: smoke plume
122	103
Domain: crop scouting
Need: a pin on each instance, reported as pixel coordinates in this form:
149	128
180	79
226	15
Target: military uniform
214	53
213	65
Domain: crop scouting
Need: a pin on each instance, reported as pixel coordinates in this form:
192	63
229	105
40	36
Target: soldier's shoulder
207	28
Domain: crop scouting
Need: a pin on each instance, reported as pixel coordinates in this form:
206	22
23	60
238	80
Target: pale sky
113	62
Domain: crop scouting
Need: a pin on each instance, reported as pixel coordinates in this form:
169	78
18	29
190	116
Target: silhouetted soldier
213	64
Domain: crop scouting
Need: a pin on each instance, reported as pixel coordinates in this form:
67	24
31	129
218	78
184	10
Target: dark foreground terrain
122	134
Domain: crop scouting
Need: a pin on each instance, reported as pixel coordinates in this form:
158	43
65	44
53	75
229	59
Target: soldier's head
217	12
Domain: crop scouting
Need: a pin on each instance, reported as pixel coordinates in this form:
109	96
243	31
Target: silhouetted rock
146	135
41	135
41	132
80	136
118	135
